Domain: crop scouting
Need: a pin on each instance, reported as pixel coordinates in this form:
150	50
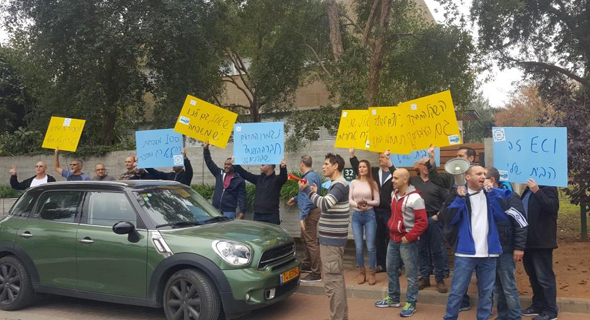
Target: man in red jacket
408	221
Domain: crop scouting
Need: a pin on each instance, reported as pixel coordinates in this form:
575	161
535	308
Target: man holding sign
180	174
268	190
76	165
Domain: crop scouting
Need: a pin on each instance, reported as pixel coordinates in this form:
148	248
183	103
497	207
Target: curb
573	305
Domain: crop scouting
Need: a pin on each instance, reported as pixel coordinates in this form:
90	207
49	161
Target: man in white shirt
475	241
40	178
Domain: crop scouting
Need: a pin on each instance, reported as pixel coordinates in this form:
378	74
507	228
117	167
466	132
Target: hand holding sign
13	171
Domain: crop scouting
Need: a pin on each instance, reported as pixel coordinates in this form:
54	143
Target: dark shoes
544	316
305	268
530	312
441	287
465	305
311	278
423	283
380	269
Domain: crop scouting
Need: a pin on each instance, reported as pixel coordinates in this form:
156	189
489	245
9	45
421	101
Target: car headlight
233	252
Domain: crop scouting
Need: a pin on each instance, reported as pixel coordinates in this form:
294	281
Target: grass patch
568	222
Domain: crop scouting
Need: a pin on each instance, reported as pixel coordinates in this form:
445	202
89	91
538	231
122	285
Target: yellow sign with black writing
431	120
63	133
386	130
353	130
204	121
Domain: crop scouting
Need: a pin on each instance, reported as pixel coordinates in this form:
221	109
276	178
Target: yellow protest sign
63	133
431	120
204	121
386	130
353	130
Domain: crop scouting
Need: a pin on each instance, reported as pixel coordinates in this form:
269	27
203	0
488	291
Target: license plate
289	275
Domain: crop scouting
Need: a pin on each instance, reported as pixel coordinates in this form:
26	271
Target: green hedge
8	192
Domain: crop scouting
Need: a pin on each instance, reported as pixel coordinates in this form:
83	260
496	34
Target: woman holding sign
363	195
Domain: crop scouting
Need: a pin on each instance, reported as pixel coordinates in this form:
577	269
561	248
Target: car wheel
189	294
16	290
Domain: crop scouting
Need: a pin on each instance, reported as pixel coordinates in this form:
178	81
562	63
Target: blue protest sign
158	148
259	143
408	160
531	153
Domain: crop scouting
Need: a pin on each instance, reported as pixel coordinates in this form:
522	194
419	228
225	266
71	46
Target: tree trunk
108	127
335	35
255	110
378	53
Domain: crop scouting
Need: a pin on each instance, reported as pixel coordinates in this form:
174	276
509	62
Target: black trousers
538	264
273	218
382	236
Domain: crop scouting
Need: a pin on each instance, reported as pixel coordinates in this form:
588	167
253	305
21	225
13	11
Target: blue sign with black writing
259	143
158	148
408	160
531	153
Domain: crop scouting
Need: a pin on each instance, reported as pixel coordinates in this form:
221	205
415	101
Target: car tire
181	292
16	289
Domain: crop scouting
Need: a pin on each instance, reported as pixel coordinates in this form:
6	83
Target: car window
24	205
108	208
172	204
59	206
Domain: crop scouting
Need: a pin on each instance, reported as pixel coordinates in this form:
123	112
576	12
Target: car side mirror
123	227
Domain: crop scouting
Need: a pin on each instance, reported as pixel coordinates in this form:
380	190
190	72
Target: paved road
299	306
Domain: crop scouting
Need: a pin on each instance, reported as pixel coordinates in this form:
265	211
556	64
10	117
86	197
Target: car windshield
177	206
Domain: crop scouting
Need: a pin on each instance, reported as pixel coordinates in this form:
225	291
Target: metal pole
584	222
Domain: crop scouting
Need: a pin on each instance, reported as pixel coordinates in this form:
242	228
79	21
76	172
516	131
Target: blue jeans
485	270
505	290
231	215
408	253
365	221
430	248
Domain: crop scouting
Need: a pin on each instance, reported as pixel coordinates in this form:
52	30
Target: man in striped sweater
333	233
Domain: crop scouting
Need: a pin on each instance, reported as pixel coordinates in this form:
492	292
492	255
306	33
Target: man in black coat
230	187
541	204
183	175
268	190
383	176
513	236
40	178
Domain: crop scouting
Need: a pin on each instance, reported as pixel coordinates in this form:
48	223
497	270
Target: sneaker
544	316
465	305
312	278
380	269
530	312
441	287
423	283
387	302
408	310
305	268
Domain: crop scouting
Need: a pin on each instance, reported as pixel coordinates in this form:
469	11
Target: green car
147	243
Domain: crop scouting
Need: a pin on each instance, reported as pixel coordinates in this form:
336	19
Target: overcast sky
497	90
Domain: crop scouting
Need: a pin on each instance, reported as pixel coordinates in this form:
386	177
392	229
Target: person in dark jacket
183	175
268	190
541	205
40	178
383	177
230	187
513	234
138	174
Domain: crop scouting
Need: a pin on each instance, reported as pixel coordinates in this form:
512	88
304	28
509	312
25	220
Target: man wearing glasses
76	169
101	173
40	178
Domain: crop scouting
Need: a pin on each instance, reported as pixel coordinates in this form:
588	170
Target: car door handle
86	240
26	234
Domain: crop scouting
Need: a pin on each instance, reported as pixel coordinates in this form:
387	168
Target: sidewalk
428	295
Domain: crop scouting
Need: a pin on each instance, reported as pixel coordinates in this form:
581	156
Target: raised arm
14	181
213	168
56	165
354	161
547	197
157	174
252	178
283	176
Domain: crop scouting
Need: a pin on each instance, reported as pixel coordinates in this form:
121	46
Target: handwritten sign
259	143
431	120
386	130
353	130
537	153
158	148
203	121
408	160
63	133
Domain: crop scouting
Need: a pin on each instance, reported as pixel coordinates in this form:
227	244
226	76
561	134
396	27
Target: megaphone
292	177
458	167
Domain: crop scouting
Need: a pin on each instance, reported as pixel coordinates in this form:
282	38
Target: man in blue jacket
308	217
474	237
230	187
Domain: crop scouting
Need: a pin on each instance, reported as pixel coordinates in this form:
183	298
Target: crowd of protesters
401	219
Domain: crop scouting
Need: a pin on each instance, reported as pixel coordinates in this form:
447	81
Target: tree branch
552	67
240	67
317	56
352	22
370	22
335	35
235	83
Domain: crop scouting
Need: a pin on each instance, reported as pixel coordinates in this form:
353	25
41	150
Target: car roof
107	185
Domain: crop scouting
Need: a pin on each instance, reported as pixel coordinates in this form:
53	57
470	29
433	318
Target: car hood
258	235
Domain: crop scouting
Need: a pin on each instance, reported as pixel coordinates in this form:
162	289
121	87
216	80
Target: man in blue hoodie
230	187
472	219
